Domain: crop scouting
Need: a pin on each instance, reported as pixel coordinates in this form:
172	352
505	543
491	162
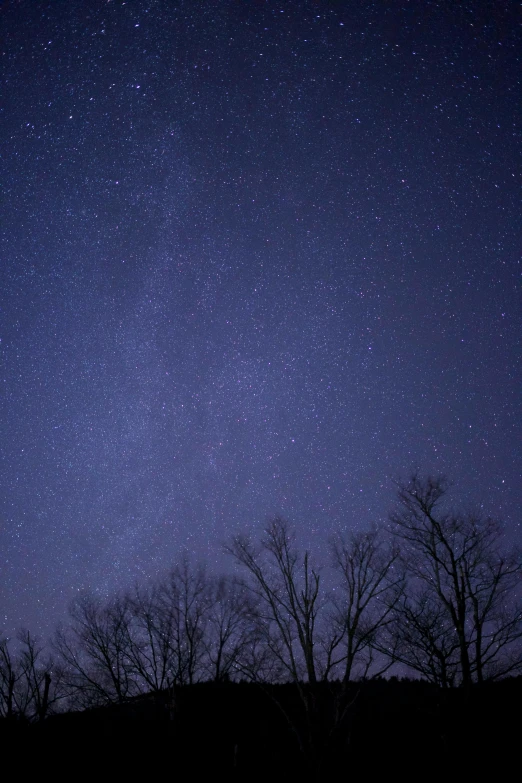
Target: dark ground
238	732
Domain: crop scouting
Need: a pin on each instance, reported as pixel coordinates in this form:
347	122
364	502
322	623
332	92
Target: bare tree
186	598
41	683
29	680
290	608
286	587
425	638
95	649
10	675
231	628
152	653
189	626
371	585
463	581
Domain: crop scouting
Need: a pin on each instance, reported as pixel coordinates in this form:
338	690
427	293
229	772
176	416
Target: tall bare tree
286	587
425	638
371	585
187	598
94	651
231	629
152	641
460	571
29	680
10	676
290	609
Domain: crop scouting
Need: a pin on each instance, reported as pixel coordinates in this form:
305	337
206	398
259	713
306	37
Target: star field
257	258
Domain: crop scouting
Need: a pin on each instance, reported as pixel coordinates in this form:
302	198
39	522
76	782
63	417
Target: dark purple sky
257	258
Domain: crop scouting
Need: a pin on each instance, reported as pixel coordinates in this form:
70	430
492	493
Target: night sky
257	258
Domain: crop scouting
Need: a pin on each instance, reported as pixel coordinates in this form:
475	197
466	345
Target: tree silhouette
286	587
151	652
462	618
187	600
94	651
231	629
30	681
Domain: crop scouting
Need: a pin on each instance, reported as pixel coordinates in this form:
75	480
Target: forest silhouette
409	640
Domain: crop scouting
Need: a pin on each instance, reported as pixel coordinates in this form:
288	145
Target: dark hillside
239	730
